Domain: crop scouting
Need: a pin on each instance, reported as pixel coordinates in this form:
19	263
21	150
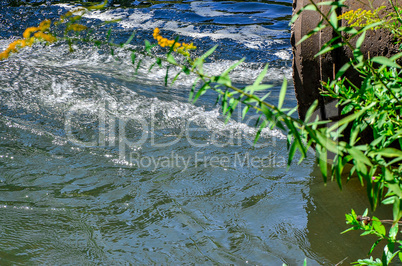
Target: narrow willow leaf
378	227
296	16
329	48
333	18
385	61
332	3
130	39
374	245
262	126
186	70
253	88
166	76
282	94
310	111
342	70
360	41
359	156
297	137
109	34
133	57
138	66
348	119
261	76
198	62
317	29
151	67
148	46
266	96
292	152
159	62
393	231
322	162
190	96
171	59
245	111
223	79
201	91
389	152
175	78
393	186
227	71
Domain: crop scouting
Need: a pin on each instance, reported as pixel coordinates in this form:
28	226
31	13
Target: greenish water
99	167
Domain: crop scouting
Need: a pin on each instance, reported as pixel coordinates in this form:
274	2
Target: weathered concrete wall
309	71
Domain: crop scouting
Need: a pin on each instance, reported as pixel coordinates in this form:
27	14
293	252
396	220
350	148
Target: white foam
108	15
204	10
284	54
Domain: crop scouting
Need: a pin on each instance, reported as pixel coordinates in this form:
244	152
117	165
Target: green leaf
342	70
190	96
360	41
199	61
317	29
148	46
245	111
201	91
133	56
292	152
261	76
388	201
393	232
329	48
175	78
393	185
378	227
159	62
310	111
333	19
374	245
227	71
131	38
384	61
349	118
171	59
322	161
262	126
359	156
282	94
166	76
389	152
186	70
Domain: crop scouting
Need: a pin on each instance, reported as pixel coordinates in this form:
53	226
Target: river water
99	166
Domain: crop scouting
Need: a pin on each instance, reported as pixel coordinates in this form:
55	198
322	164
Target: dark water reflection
73	190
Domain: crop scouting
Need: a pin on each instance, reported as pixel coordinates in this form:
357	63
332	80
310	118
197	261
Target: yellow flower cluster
38	34
361	18
181	48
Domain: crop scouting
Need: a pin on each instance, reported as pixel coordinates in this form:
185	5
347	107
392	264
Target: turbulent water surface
99	166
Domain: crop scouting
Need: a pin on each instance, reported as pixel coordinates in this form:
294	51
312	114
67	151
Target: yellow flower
38	33
44	25
181	48
47	37
29	31
4	55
